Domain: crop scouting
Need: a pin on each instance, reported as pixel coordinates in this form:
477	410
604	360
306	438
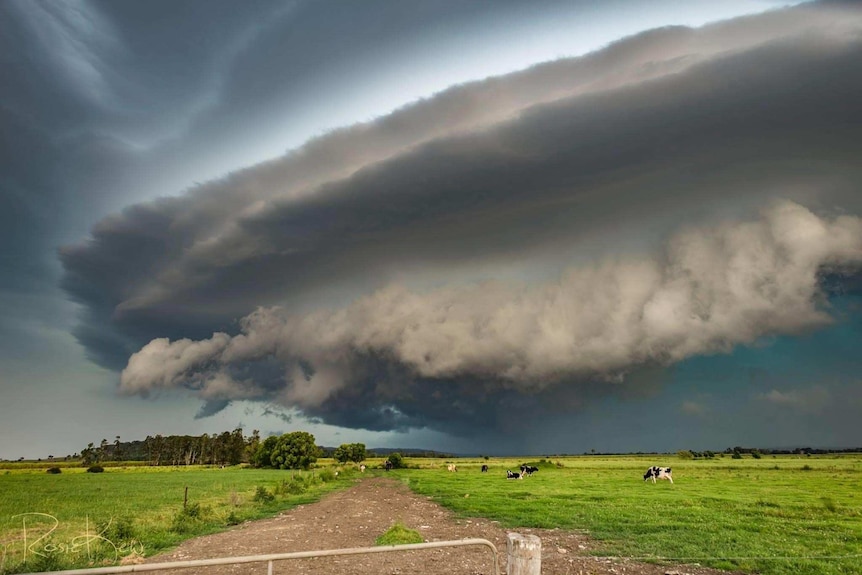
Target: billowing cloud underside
505	239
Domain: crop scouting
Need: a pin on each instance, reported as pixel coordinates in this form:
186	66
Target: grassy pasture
782	515
774	515
76	519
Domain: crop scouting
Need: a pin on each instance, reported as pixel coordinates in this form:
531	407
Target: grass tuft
398	534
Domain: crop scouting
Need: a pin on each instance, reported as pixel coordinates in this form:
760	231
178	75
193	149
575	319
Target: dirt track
357	516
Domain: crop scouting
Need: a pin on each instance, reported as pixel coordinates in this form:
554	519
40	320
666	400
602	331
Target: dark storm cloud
275	411
486	180
211	407
115	67
86	87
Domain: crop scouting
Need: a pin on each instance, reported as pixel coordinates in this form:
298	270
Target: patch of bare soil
356	516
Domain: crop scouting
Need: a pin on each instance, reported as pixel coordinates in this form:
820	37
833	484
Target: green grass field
76	519
783	515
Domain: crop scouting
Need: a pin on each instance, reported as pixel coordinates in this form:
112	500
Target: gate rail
276	557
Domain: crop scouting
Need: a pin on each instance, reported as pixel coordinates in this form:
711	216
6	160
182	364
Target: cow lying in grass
451	467
658	473
513	475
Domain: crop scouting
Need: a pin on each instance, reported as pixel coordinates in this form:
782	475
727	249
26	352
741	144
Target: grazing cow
513	475
484	469
658	473
451	467
388	465
528	469
362	468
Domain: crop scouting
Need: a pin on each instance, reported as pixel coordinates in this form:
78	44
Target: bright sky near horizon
509	227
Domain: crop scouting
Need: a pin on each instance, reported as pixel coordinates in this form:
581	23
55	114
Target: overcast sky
480	227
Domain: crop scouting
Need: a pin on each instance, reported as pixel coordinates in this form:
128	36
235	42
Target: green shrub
295	486
262	495
117	530
232	519
326	475
189	518
396	460
42	562
95	469
193	510
53	470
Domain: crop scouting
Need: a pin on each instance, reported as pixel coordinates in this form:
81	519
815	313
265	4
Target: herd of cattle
525	470
653	472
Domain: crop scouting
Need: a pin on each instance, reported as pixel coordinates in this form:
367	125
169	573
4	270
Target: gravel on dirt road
356	516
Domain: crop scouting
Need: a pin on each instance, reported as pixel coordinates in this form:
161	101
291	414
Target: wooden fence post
524	554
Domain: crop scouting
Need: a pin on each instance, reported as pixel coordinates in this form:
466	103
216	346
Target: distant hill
412	452
384	451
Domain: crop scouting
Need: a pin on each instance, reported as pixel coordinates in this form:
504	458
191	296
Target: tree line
295	450
738	451
227	448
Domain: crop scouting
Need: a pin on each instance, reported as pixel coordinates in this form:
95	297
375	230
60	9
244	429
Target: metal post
525	555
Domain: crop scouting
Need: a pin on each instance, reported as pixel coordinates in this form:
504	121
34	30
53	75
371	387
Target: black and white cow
658	473
528	469
513	475
484	469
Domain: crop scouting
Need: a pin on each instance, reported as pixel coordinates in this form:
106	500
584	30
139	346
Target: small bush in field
53	470
294	486
95	469
189	518
262	495
117	529
233	519
193	510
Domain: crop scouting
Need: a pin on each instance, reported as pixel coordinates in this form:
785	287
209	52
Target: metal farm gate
269	559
